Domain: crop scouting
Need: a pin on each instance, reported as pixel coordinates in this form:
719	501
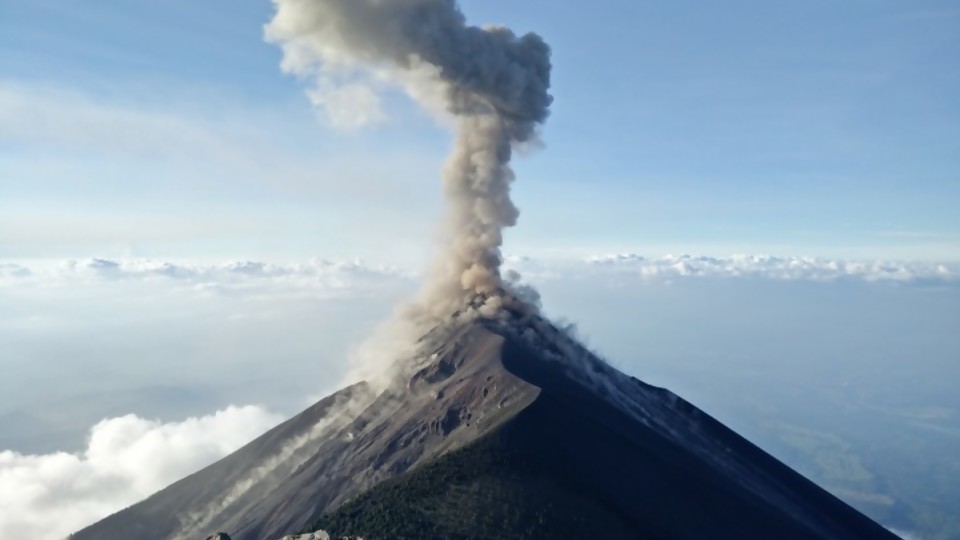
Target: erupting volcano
491	423
505	428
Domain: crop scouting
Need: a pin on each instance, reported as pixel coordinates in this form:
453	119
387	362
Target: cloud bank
208	330
316	274
358	275
764	267
187	323
48	496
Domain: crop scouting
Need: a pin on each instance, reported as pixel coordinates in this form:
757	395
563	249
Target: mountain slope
490	489
162	514
506	426
662	469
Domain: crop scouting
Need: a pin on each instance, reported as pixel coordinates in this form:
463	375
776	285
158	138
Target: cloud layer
315	274
46	497
187	323
763	267
101	331
357	275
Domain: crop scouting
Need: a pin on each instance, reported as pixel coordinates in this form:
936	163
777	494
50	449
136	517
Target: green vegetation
486	491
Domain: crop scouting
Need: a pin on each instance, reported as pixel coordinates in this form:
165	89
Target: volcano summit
496	425
506	428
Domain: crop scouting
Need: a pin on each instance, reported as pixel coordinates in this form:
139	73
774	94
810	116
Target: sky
168	130
179	223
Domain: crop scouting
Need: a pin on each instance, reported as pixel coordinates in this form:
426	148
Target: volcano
502	428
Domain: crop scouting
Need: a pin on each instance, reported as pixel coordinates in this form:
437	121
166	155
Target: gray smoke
494	82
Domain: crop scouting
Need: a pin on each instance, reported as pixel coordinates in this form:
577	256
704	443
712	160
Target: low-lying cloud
48	496
315	276
357	275
814	269
186	337
317	271
221	330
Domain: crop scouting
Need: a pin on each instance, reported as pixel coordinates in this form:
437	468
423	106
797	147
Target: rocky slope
508	429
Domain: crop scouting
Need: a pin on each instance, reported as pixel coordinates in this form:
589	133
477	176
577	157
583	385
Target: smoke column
494	82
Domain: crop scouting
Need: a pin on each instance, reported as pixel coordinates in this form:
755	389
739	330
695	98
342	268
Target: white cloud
212	330
46	497
349	106
196	167
316	274
357	275
776	268
213	132
240	323
31	114
12	270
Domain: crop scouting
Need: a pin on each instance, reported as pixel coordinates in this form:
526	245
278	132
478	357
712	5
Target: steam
493	82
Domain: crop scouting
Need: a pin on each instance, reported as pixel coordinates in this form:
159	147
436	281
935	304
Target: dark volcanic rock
508	430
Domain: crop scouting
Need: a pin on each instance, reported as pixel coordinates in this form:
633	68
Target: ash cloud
494	83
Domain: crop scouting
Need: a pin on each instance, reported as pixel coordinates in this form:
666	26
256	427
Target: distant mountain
507	429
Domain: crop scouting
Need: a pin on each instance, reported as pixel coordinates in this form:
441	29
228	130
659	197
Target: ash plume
494	83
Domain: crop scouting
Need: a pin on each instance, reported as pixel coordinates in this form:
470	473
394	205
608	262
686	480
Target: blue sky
168	130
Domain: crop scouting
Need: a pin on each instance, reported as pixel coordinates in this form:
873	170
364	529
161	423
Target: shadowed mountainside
509	429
